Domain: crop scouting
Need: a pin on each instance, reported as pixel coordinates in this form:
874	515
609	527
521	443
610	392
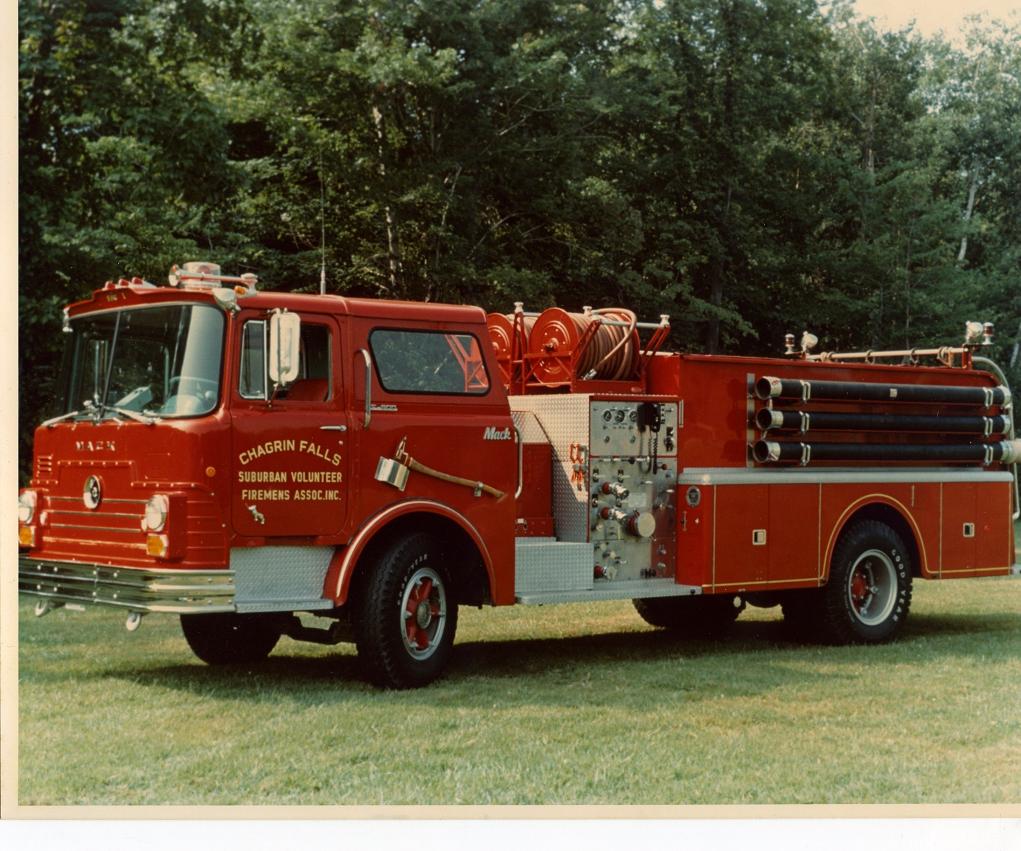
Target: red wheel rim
423	613
872	587
859	588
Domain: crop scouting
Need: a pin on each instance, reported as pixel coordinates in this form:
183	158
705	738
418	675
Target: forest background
750	167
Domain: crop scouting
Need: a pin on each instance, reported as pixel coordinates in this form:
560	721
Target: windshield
163	361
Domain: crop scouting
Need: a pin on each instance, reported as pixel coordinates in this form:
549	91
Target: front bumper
135	589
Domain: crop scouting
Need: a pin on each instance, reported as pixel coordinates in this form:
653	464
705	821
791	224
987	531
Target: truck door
431	397
290	453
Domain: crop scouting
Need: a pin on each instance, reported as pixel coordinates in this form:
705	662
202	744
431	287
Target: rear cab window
429	362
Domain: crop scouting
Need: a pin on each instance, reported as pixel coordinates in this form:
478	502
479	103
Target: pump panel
614	481
634	428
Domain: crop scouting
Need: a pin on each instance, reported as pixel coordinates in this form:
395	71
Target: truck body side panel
768	527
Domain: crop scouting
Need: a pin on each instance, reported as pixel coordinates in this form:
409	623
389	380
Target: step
542	566
609	590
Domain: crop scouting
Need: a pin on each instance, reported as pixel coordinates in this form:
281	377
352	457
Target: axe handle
412	464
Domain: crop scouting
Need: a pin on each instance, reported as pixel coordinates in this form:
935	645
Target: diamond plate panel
280	578
528	424
565	419
551	566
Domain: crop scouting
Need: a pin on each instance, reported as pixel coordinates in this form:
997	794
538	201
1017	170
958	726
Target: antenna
322	221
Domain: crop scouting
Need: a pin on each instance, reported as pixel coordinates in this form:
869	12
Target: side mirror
284	341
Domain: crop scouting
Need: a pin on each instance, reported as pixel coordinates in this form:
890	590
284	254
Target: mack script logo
95	446
494	433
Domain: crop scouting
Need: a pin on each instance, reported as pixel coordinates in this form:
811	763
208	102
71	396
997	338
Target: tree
122	159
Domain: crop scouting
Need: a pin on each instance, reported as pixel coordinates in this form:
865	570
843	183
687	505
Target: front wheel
869	591
406	615
231	639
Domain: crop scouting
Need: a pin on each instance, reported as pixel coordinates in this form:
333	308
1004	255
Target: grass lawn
580	704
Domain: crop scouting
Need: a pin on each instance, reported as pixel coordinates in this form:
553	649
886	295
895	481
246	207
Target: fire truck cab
240	457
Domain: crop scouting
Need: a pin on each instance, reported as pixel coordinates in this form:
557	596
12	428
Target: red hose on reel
562	346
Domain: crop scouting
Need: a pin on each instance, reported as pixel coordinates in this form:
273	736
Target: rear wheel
406	615
693	616
869	590
231	639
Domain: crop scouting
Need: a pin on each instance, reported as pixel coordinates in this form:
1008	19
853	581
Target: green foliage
750	167
123	164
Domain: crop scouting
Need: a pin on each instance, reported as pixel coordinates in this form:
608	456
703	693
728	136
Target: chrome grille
115	521
113	533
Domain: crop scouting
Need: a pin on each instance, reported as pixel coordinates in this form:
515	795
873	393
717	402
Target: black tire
405	615
867	597
231	639
691	616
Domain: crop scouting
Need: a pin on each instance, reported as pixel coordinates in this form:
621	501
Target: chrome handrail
521	462
368	385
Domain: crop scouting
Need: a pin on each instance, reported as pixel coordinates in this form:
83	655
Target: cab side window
449	363
253	383
313	383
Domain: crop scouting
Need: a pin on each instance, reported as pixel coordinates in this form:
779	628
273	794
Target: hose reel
539	352
509	342
600	344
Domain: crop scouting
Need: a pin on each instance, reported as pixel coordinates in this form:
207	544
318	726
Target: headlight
26	506
156	512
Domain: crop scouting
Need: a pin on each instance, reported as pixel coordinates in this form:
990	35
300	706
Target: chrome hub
423	615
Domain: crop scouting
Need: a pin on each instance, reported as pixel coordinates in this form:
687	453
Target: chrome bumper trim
136	589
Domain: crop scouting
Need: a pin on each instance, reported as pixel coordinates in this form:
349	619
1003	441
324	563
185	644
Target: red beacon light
122	283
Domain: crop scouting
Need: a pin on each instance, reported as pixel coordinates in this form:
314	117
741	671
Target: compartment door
741	553
958	527
793	543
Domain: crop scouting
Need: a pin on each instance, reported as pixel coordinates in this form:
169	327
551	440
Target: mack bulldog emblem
92	493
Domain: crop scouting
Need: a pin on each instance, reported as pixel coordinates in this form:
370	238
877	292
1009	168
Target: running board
277	605
609	590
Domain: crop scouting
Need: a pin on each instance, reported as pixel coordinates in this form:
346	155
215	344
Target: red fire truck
242	457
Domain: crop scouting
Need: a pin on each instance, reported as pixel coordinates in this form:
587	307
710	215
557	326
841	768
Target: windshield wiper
132	415
52	422
99	411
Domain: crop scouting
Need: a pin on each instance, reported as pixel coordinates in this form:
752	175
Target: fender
338	577
875	499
